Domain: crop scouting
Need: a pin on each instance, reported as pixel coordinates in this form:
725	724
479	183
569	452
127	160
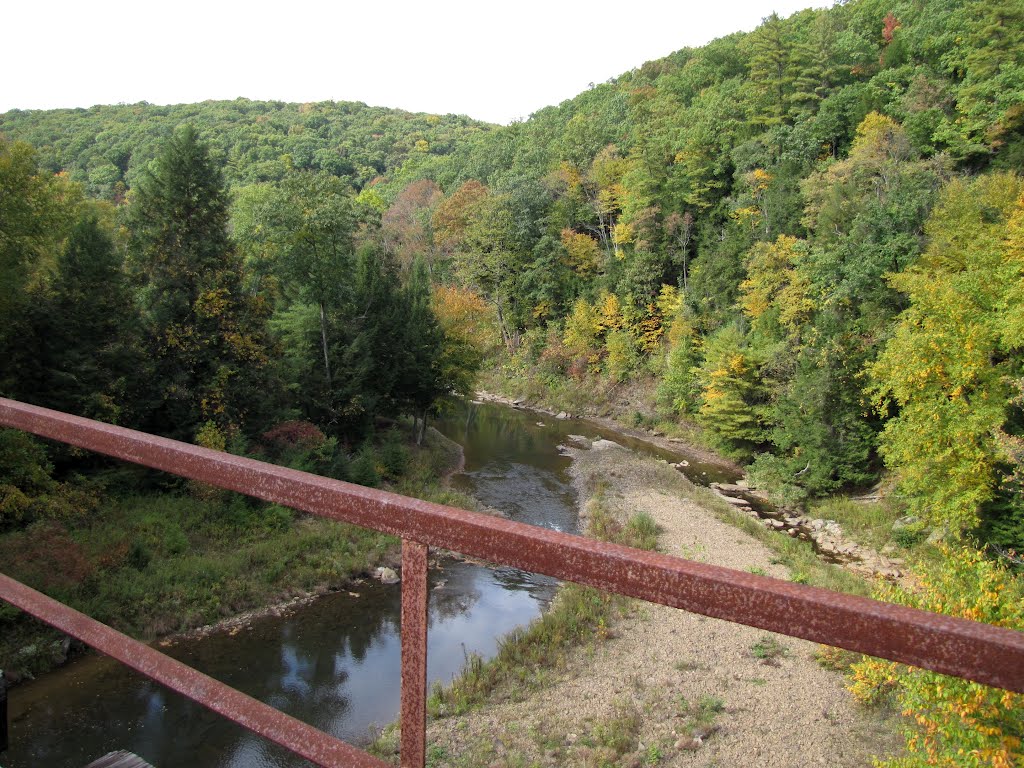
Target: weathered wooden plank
120	759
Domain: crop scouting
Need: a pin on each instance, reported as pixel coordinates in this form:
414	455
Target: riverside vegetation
154	557
801	245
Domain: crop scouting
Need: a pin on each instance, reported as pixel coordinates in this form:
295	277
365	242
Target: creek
333	662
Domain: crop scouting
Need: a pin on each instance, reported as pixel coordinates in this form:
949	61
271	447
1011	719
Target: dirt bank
670	687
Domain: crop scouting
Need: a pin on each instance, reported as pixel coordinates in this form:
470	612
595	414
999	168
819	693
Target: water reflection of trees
367	619
302	671
488	431
456	596
462	588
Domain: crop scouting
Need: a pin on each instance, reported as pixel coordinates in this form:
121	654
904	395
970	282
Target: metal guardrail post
3	712
414	654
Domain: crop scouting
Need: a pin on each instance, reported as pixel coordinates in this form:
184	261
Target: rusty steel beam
967	649
299	737
414	654
3	712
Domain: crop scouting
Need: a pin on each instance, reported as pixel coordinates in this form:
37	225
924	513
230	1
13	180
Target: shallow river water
335	661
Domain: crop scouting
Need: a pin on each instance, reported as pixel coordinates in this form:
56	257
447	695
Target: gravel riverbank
670	687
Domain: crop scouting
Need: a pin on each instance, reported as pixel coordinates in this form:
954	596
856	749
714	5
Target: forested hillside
288	334
106	147
810	238
806	233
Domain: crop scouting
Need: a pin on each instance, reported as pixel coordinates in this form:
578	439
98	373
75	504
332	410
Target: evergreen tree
35	211
206	336
731	395
772	73
421	380
91	357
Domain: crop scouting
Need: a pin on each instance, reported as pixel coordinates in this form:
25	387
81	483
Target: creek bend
333	662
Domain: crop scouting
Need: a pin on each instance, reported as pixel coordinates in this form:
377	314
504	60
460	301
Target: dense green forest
106	147
809	238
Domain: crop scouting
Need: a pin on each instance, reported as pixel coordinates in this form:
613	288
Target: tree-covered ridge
744	220
290	334
105	147
163	314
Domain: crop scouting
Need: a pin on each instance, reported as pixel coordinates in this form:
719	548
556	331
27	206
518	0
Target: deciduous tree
945	369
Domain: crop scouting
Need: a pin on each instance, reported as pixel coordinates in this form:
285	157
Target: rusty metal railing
967	649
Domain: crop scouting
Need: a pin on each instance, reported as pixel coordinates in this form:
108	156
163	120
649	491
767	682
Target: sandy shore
766	700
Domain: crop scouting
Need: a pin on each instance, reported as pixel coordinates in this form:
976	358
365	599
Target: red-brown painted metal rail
987	654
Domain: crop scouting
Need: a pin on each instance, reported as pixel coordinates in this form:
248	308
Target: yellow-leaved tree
777	292
732	400
949	721
946	370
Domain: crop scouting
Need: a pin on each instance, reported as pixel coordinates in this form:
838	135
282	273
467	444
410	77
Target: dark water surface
334	662
500	439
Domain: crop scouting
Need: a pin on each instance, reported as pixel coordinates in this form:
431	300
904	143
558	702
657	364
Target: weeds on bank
701	714
869	523
170	560
609	740
769	650
797	555
526	656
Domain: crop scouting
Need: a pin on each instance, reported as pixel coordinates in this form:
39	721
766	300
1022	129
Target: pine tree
730	393
91	353
771	74
206	336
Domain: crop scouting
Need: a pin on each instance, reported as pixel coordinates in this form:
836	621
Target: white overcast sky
496	61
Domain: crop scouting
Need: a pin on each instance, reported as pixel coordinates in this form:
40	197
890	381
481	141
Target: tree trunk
421	432
505	335
323	342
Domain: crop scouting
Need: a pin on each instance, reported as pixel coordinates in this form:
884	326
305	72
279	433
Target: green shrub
910	535
393	455
775	476
642	532
362	470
